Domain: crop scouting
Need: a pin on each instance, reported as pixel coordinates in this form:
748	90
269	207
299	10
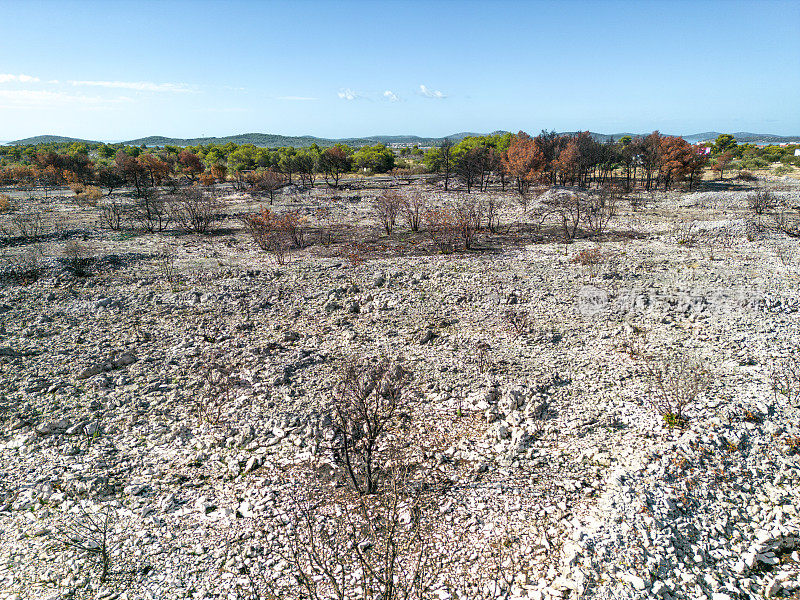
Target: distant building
703	150
797	151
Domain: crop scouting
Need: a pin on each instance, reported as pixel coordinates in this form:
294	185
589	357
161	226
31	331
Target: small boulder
90	371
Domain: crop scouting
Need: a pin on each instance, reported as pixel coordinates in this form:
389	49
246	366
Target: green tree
306	164
334	162
242	159
106	151
724	143
78	148
286	162
440	160
376	159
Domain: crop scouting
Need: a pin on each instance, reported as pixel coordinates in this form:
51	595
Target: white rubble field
100	379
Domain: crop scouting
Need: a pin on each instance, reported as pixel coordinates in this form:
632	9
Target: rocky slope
530	396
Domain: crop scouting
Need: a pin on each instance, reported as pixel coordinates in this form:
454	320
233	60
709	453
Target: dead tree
368	399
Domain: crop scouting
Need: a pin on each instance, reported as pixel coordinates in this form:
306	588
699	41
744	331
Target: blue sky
117	70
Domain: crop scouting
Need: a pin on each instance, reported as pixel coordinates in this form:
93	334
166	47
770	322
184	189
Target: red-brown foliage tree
524	161
190	164
265	182
721	163
676	160
568	163
157	169
134	173
334	162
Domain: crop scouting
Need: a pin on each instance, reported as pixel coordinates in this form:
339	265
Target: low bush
760	201
207	178
536	218
414	206
519	320
194	210
79	259
86	195
675	382
296	225
568	206
746	176
165	260
468	219
385	209
785	377
787	222
591	260
337	546
493	206
599	207
151	211
368	402
442	227
276	233
29	225
686	233
112	215
89	532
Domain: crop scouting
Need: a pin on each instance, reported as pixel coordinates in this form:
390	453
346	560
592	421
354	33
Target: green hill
49	139
264	140
270	140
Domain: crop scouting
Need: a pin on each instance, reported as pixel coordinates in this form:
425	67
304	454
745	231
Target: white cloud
300	98
391	96
347	94
9	78
429	93
43	98
139	86
224	109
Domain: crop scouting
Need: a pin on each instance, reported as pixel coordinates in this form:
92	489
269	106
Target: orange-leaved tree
568	163
721	163
677	159
190	164
524	161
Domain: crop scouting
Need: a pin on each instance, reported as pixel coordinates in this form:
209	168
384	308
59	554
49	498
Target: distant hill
405	139
49	139
743	137
269	140
701	137
264	140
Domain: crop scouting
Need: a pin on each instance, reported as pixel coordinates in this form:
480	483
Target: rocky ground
530	398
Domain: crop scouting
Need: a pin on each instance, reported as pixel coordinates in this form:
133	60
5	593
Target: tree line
246	165
569	159
578	160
